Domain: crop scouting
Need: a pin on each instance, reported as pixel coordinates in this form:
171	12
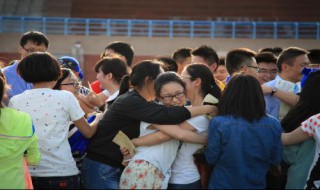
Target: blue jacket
17	84
242	152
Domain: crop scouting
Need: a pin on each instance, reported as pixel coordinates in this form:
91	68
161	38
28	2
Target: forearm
152	139
295	137
287	97
203	110
181	134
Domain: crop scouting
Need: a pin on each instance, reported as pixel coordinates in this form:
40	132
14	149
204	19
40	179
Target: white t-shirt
51	111
311	126
160	155
183	169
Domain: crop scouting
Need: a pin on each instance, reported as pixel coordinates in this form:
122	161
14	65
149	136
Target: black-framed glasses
170	97
266	71
74	84
33	50
256	68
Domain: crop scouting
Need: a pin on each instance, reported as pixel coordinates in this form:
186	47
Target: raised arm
287	97
88	130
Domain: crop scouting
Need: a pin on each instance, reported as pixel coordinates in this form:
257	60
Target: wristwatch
274	90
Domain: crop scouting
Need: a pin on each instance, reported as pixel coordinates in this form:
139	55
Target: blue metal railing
161	28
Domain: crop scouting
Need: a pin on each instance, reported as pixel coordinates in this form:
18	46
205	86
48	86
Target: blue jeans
194	185
96	175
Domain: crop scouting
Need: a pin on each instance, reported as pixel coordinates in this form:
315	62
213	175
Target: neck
285	77
196	99
145	94
50	84
113	88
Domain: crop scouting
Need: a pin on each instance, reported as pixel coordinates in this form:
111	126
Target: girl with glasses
102	167
173	159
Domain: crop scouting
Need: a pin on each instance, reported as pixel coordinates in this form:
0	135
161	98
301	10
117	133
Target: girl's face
102	79
70	84
172	94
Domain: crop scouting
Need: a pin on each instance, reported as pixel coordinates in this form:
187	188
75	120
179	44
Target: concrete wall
144	47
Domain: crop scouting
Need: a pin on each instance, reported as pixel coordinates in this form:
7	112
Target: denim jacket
242	152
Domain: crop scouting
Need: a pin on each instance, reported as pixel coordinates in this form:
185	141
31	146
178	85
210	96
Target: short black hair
236	58
165	78
116	66
266	57
39	67
169	64
275	50
288	55
207	53
181	54
243	97
222	61
34	36
314	56
123	49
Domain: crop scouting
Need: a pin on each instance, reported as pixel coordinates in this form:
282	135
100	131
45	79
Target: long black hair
208	84
243	97
308	104
148	69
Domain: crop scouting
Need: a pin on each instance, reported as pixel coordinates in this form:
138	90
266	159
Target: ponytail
124	85
214	89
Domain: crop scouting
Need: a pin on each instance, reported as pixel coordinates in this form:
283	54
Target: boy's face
31	47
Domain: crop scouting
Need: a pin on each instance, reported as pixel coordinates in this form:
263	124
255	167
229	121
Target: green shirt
17	141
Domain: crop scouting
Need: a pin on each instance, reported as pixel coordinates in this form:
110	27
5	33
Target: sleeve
213	151
33	154
200	123
139	109
277	148
74	108
310	126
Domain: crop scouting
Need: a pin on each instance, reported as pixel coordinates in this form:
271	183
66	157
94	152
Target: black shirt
125	114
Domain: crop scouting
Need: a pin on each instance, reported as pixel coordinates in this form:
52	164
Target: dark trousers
65	182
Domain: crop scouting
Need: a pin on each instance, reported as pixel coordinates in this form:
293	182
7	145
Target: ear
213	67
109	76
284	67
197	82
20	49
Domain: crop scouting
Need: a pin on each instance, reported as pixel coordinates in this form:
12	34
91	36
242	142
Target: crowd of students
259	128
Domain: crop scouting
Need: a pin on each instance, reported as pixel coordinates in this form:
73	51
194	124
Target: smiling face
221	73
172	94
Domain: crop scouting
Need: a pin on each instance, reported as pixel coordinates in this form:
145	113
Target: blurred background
83	28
